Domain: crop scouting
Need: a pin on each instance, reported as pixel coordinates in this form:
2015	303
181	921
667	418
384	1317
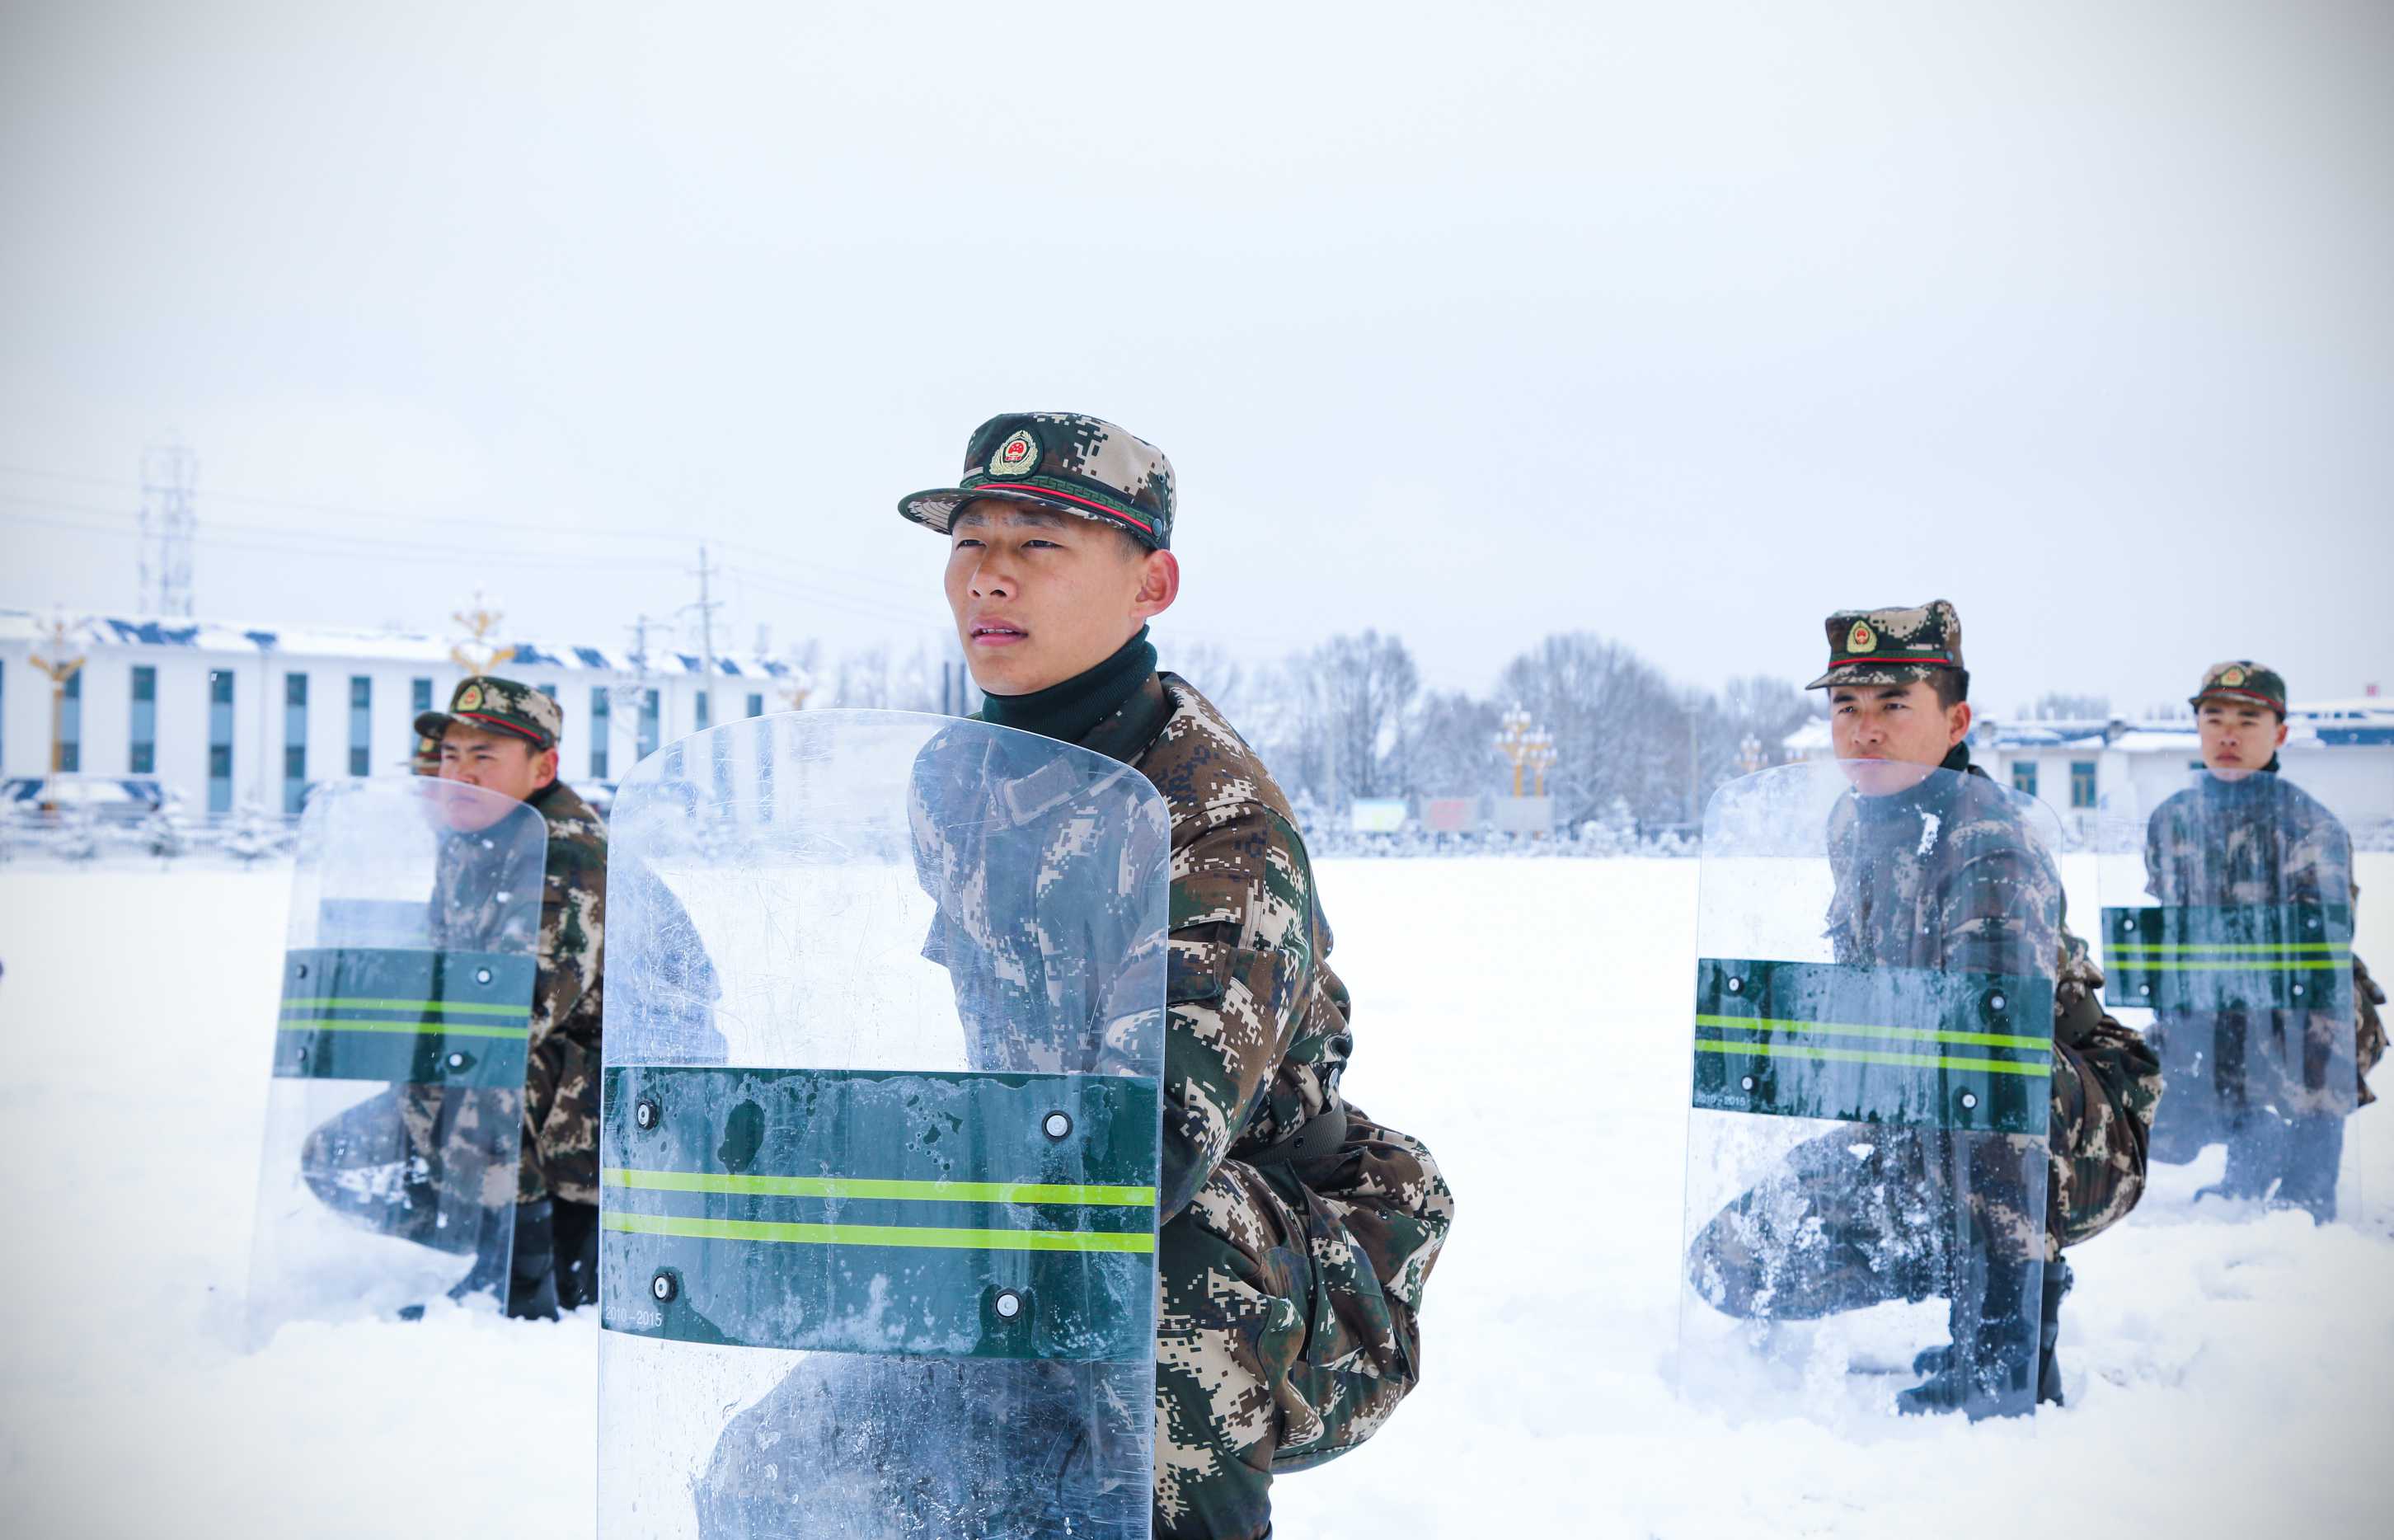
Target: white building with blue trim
231	715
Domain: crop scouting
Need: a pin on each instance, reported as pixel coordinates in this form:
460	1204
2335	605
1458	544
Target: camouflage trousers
1279	1346
378	1159
1864	1215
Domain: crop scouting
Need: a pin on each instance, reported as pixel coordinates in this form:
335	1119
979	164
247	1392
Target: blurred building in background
229	715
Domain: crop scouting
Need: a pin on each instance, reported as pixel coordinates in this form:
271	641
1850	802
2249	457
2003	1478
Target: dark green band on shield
1909	1047
405	1016
981	1216
2185	960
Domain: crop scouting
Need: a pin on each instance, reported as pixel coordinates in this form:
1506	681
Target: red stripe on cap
1849	662
1085	502
502	724
2270	701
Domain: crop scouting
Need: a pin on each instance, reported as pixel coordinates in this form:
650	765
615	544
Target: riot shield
878	1249
2227	940
395	1116
1871	1099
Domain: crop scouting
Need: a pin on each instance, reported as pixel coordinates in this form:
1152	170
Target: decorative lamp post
478	653
59	665
1513	742
1540	757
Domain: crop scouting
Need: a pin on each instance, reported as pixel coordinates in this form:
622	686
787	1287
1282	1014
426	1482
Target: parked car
108	798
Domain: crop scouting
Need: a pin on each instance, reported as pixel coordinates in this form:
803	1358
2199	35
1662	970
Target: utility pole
64	659
706	606
169	476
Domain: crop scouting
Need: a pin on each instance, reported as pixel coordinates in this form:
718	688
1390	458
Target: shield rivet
481	976
299	970
2298	990
2144	989
1745	1082
1995	1001
1008	1304
645	1113
1737	986
2127	923
456	1060
664	1287
1055	1124
1969	1100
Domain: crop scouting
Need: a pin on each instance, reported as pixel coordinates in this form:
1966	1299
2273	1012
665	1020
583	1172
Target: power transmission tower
706	607
170	474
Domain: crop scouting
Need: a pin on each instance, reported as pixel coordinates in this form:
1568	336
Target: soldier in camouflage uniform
1945	875
1296	1233
2244	836
502	735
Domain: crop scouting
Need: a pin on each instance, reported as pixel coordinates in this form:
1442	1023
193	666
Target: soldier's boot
531	1271
575	1230
2314	1152
1990	1368
2058	1280
2256	1156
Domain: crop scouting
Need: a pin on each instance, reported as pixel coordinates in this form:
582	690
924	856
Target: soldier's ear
544	768
1159	584
1957	722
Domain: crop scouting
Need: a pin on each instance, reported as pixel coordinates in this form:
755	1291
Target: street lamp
60	665
1513	738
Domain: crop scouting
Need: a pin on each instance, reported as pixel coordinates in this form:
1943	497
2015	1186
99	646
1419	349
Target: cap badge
469	698
2232	678
1862	638
1018	457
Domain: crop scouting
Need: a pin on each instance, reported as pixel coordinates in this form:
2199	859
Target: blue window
2025	777
360	725
599	725
648	723
420	691
143	757
755	705
71	724
219	740
703	711
295	741
2082	783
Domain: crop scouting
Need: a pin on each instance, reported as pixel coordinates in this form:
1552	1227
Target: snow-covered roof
385	646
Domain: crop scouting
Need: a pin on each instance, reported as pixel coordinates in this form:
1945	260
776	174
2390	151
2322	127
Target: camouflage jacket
2262	840
1256	1033
1950	876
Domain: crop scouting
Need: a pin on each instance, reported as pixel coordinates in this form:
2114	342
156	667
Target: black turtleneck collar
1067	711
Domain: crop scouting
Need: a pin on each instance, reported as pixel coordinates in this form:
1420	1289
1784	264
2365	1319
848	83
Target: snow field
1527	1018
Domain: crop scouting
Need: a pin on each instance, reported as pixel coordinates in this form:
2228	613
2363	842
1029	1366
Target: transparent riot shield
878	1241
393	1123
1872	1051
2228	909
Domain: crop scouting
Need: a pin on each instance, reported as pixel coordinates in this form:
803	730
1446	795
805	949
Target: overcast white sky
1685	324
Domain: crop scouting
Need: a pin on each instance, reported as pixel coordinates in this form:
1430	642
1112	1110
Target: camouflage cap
2254	683
1065	461
425	760
1891	646
501	706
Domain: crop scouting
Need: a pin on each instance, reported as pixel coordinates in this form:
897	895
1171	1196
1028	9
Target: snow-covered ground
1528	1018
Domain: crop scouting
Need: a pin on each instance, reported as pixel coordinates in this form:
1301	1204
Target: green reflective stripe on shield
2140	948
1845	1029
408	1028
2147	964
308	1002
868	1187
879	1235
1864	1055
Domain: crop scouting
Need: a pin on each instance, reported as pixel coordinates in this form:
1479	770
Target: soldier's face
1892	734
2237	737
1040	597
496	762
